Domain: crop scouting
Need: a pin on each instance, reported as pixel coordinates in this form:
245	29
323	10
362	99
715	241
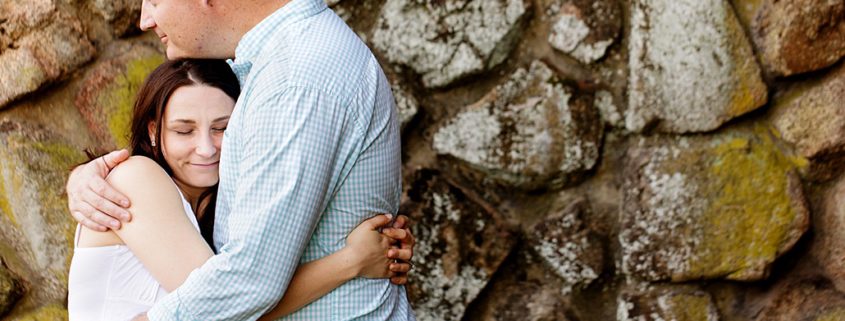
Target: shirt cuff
168	309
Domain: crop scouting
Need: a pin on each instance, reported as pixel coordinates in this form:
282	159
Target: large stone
36	232
42	57
708	207
531	132
691	68
666	304
462	240
810	116
584	29
796	36
406	103
829	243
10	289
20	17
566	245
122	15
107	96
447	40
805	300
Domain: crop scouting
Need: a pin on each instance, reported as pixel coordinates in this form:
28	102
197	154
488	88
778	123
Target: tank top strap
76	236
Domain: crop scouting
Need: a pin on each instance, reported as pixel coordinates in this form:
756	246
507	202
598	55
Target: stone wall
581	160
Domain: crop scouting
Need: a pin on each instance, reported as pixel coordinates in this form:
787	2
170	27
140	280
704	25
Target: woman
177	129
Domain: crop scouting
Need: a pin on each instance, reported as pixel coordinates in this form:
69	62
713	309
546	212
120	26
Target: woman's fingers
400	254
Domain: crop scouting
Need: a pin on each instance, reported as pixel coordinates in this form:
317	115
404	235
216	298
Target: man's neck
257	12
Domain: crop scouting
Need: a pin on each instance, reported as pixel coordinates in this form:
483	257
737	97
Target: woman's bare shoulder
140	177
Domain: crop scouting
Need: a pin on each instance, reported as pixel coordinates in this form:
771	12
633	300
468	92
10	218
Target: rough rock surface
122	15
10	289
810	116
108	92
406	103
829	222
530	132
666	304
706	207
810	300
691	67
585	29
447	40
42	56
565	244
461	243
796	36
35	230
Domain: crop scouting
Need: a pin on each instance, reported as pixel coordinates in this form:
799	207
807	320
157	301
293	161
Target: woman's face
192	133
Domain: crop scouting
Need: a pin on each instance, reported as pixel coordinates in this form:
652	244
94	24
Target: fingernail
124	203
114	225
391	253
389	216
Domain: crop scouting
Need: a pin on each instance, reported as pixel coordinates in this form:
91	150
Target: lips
163	39
209	165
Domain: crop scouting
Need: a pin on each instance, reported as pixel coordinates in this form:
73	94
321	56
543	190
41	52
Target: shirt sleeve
290	143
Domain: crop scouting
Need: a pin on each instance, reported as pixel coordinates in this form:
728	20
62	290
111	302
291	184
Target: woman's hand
367	250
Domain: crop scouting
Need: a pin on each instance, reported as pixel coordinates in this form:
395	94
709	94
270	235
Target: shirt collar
255	40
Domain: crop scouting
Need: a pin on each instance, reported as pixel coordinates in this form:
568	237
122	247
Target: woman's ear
151	129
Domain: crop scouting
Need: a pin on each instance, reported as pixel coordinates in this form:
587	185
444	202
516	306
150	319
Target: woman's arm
160	233
365	255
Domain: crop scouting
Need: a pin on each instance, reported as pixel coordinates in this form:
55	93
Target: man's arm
289	145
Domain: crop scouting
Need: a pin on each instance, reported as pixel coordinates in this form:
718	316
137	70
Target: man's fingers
115	157
400	267
394	233
97	218
104	190
91	225
103	207
400	254
401	221
399	280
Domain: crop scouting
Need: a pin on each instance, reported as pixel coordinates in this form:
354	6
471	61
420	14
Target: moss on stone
52	312
686	307
750	212
837	314
118	100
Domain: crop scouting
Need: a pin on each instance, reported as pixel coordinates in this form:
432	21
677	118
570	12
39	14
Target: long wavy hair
149	108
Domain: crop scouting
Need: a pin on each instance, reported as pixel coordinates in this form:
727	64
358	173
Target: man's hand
141	317
91	200
403	252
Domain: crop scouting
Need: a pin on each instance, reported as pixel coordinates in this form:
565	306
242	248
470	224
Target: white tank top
108	283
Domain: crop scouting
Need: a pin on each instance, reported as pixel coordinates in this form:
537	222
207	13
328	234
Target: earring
154	144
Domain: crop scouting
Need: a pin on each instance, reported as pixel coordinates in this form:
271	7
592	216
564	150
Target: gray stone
406	103
691	67
461	241
10	289
531	132
666	304
447	40
829	242
809	300
35	228
21	17
585	29
122	15
565	244
709	207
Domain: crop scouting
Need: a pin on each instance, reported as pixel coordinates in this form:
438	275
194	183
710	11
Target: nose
146	22
207	146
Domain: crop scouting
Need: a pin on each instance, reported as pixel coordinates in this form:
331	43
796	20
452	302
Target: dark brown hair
149	108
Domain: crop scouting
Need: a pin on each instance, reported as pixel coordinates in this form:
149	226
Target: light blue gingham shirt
311	150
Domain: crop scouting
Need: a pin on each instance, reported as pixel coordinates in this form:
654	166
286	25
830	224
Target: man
311	150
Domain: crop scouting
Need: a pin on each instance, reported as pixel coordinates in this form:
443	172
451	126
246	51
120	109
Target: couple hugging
281	219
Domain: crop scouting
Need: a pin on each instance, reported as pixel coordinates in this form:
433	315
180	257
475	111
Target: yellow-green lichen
750	213
686	307
837	314
119	99
749	91
52	312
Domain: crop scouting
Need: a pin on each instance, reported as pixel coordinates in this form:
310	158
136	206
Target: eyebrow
190	121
